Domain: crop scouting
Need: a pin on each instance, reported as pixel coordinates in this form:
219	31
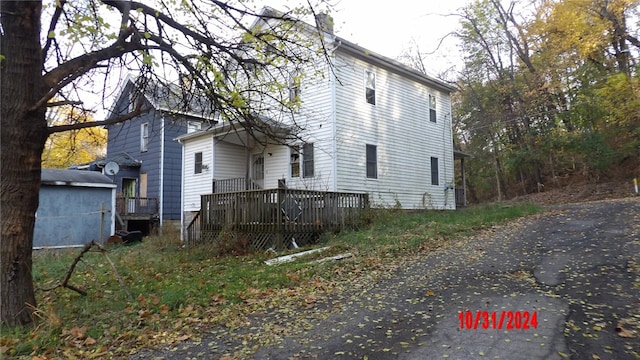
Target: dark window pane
434	171
307	164
372	162
371	96
198	163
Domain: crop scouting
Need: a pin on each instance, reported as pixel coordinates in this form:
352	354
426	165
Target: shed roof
75	178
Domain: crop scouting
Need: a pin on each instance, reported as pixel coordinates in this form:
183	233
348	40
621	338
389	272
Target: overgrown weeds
179	291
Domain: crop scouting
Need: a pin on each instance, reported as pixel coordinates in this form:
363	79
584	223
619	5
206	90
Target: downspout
112	227
161	197
182	176
334	117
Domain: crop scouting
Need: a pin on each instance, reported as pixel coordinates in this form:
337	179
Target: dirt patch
580	193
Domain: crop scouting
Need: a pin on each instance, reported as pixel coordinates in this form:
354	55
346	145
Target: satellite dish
111	168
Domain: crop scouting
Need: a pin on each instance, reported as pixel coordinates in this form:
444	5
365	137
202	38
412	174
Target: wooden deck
276	218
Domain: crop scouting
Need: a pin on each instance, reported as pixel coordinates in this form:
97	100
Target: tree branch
84	125
65	73
62	103
52	27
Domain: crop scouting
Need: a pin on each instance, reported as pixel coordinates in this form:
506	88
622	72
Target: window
432	108
193	126
434	171
294	89
144	137
295	161
307	157
370	87
131	106
197	163
258	167
372	162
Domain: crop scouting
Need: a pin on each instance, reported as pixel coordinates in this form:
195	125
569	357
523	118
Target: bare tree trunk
23	134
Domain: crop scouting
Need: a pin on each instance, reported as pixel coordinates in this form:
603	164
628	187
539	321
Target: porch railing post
280	220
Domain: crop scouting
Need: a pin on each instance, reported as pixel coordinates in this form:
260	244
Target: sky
391	29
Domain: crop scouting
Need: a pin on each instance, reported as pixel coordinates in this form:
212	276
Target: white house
371	124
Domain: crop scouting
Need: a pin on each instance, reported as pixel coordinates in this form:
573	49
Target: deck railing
280	217
232	185
194	230
142	206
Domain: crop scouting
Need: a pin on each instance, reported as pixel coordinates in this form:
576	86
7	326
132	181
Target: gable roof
170	99
382	61
355	50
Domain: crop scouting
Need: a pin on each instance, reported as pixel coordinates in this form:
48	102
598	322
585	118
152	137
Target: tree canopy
549	91
64	53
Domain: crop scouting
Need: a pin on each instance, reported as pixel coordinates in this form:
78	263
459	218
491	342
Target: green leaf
51	34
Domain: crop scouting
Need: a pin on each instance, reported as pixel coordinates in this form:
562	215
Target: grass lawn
170	293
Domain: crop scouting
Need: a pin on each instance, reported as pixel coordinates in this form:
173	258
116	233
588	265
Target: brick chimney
325	22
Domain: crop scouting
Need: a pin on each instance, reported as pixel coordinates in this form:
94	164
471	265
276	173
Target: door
129	191
257	169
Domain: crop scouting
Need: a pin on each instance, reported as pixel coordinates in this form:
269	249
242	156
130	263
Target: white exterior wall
315	118
336	118
405	138
196	184
230	161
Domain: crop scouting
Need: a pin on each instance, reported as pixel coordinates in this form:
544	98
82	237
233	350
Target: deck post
280	220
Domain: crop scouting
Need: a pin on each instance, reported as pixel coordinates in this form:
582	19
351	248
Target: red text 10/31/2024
509	320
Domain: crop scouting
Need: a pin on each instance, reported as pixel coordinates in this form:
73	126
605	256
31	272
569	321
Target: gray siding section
165	172
172	168
71	216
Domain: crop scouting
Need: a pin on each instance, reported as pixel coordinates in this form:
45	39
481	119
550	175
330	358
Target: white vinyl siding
405	141
196	184
230	160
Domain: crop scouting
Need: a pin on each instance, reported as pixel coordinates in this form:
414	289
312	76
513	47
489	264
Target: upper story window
432	108
197	163
307	161
294	89
132	101
193	126
372	161
370	87
144	137
295	161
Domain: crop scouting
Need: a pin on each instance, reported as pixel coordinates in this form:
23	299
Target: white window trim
366	87
144	138
434	108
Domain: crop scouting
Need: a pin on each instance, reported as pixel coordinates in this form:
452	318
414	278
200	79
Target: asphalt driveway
563	284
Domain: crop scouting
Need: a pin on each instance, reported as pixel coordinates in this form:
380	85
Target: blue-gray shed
75	208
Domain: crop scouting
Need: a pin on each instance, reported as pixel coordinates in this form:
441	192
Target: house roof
122	159
458	154
390	64
353	49
75	178
170	98
228	127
